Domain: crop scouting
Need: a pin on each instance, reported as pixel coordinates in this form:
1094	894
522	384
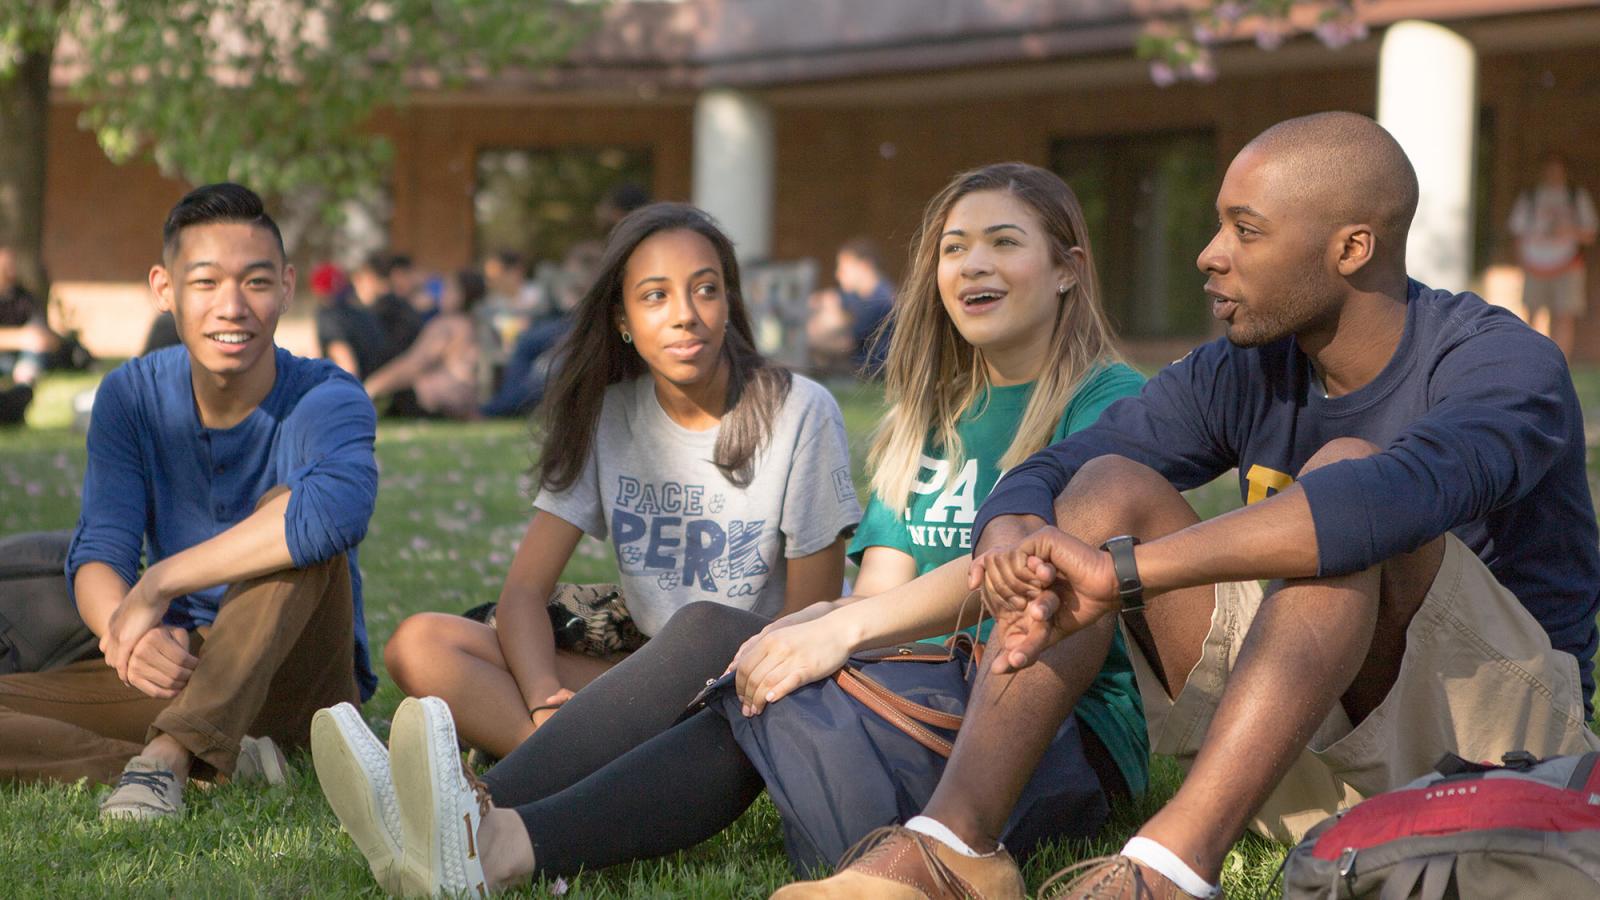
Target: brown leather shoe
899	864
1107	878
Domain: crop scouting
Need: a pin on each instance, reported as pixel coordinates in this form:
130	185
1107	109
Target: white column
1427	98
733	163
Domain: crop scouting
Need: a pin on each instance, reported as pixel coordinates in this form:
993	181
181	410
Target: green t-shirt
937	527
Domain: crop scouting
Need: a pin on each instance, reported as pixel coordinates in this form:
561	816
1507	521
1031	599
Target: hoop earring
627	338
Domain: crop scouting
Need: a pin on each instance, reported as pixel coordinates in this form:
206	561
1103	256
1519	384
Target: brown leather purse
906	715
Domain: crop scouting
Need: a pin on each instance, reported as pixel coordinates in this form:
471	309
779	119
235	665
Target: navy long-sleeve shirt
1481	431
160	482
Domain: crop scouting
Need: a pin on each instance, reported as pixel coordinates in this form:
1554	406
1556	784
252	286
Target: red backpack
1528	828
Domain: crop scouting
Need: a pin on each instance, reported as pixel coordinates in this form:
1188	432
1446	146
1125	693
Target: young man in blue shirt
1413	464
245	475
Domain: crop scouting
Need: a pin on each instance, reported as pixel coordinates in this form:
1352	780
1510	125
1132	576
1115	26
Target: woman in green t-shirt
999	346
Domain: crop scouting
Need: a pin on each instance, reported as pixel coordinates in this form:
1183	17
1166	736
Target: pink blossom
1230	11
1269	37
1203	70
1163	74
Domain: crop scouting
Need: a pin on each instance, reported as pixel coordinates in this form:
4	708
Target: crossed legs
1314	643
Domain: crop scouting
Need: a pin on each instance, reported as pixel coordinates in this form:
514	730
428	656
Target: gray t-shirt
681	530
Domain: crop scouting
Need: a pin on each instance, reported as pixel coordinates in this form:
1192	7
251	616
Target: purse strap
906	715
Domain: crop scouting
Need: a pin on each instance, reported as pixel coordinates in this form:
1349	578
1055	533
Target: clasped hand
147	655
1040	591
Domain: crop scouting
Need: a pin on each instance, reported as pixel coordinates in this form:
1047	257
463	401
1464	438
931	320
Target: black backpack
40	628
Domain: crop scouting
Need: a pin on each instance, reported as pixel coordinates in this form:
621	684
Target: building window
1150	202
540	202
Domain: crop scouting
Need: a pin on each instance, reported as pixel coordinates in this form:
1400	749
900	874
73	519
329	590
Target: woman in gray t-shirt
715	476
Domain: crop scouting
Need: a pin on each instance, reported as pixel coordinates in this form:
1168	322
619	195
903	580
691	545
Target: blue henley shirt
158	481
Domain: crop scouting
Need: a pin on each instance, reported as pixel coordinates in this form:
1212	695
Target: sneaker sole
350	763
437	829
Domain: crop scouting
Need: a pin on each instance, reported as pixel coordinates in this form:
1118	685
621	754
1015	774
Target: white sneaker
441	808
353	768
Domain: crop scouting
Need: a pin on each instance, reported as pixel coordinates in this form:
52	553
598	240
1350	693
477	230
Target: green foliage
277	94
26	26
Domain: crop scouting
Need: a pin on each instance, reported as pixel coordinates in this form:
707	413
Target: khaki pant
1478	679
279	650
1561	293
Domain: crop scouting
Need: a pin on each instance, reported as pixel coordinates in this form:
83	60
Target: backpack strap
1403	877
1583	774
1437	877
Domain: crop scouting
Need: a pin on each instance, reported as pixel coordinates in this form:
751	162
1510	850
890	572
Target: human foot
147	790
901	864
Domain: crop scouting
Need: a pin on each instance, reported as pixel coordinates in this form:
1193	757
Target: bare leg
1564	330
1011	719
459	660
1540	320
1303	653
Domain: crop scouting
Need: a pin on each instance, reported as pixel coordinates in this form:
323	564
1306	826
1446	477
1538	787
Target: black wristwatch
1129	587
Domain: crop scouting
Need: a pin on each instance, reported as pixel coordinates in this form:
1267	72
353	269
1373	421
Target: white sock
936	830
1175	870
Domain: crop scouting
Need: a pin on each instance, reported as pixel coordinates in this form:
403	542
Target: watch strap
1129	587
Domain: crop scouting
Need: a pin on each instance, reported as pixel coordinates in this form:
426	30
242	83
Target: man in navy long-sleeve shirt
1413	466
244	477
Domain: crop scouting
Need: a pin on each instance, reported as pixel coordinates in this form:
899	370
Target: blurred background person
841	333
26	341
617	203
375	287
347	333
438	373
410	284
1552	222
527	369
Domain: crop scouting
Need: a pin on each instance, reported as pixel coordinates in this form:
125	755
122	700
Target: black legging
609	779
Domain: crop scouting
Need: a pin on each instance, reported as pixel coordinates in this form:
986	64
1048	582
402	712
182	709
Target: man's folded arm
1485	443
333	491
1177	425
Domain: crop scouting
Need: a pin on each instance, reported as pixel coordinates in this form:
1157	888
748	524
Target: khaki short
1479	678
1562	293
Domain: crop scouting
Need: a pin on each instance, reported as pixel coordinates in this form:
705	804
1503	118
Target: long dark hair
593	357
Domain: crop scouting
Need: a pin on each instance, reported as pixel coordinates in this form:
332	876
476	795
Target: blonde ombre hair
932	374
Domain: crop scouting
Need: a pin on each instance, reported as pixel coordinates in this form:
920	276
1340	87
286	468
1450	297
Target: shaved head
1349	170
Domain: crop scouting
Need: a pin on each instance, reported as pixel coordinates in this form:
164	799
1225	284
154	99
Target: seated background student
842	333
1001	345
715	476
527	371
248	474
26	341
1413	464
347	332
438	375
374	286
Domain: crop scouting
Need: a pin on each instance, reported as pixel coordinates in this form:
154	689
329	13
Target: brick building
802	124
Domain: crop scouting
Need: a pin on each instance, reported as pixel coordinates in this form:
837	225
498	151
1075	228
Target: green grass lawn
452	506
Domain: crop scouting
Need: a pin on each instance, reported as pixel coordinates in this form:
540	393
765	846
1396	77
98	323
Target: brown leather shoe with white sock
897	863
1108	878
